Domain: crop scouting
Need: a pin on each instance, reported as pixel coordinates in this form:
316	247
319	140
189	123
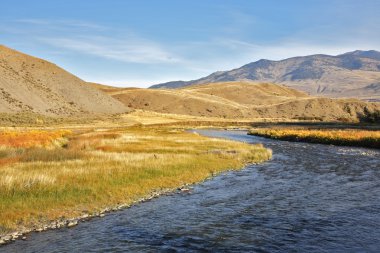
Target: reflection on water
308	198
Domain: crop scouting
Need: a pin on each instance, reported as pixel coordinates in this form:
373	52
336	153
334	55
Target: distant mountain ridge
352	74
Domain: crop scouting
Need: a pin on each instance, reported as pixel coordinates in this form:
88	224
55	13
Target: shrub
370	117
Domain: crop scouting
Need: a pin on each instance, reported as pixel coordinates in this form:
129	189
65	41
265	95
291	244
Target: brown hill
103	87
353	74
35	85
242	100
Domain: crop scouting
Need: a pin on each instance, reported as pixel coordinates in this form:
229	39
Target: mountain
34	85
351	74
371	54
29	84
237	100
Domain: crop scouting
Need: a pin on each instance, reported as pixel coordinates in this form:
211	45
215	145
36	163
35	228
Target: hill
354	74
248	100
29	84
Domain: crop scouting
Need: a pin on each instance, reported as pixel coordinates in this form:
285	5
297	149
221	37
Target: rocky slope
34	85
354	74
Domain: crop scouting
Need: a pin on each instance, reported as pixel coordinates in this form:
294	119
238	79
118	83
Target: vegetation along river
308	198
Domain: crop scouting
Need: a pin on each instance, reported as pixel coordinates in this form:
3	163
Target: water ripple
309	198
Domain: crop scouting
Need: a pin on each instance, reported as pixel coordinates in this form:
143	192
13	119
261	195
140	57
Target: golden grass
99	169
34	138
361	138
157	118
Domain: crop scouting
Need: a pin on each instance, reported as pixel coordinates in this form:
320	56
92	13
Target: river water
308	198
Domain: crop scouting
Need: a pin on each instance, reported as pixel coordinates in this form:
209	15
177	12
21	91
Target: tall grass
50	155
99	169
30	138
360	138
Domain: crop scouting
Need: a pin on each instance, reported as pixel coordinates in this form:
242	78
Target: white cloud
60	23
234	52
130	49
176	60
287	49
93	39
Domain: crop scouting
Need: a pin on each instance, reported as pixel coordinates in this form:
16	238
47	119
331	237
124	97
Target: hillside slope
242	100
354	74
35	85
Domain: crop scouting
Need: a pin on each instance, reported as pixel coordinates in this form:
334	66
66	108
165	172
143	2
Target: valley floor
55	173
50	177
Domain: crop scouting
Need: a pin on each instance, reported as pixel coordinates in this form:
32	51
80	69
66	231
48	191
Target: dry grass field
241	100
50	175
360	138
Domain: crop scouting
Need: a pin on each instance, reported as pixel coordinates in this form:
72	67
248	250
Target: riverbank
351	137
235	211
86	173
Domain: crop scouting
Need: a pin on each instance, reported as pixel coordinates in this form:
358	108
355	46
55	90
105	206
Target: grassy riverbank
56	174
359	138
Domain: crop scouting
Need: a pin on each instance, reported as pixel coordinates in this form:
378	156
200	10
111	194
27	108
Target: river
308	198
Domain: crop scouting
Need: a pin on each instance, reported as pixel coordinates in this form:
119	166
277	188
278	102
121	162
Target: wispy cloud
60	23
88	38
141	57
133	50
287	48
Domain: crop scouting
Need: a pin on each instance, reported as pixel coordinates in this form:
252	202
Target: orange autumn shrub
33	138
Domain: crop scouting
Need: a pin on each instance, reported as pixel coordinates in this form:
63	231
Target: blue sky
143	42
